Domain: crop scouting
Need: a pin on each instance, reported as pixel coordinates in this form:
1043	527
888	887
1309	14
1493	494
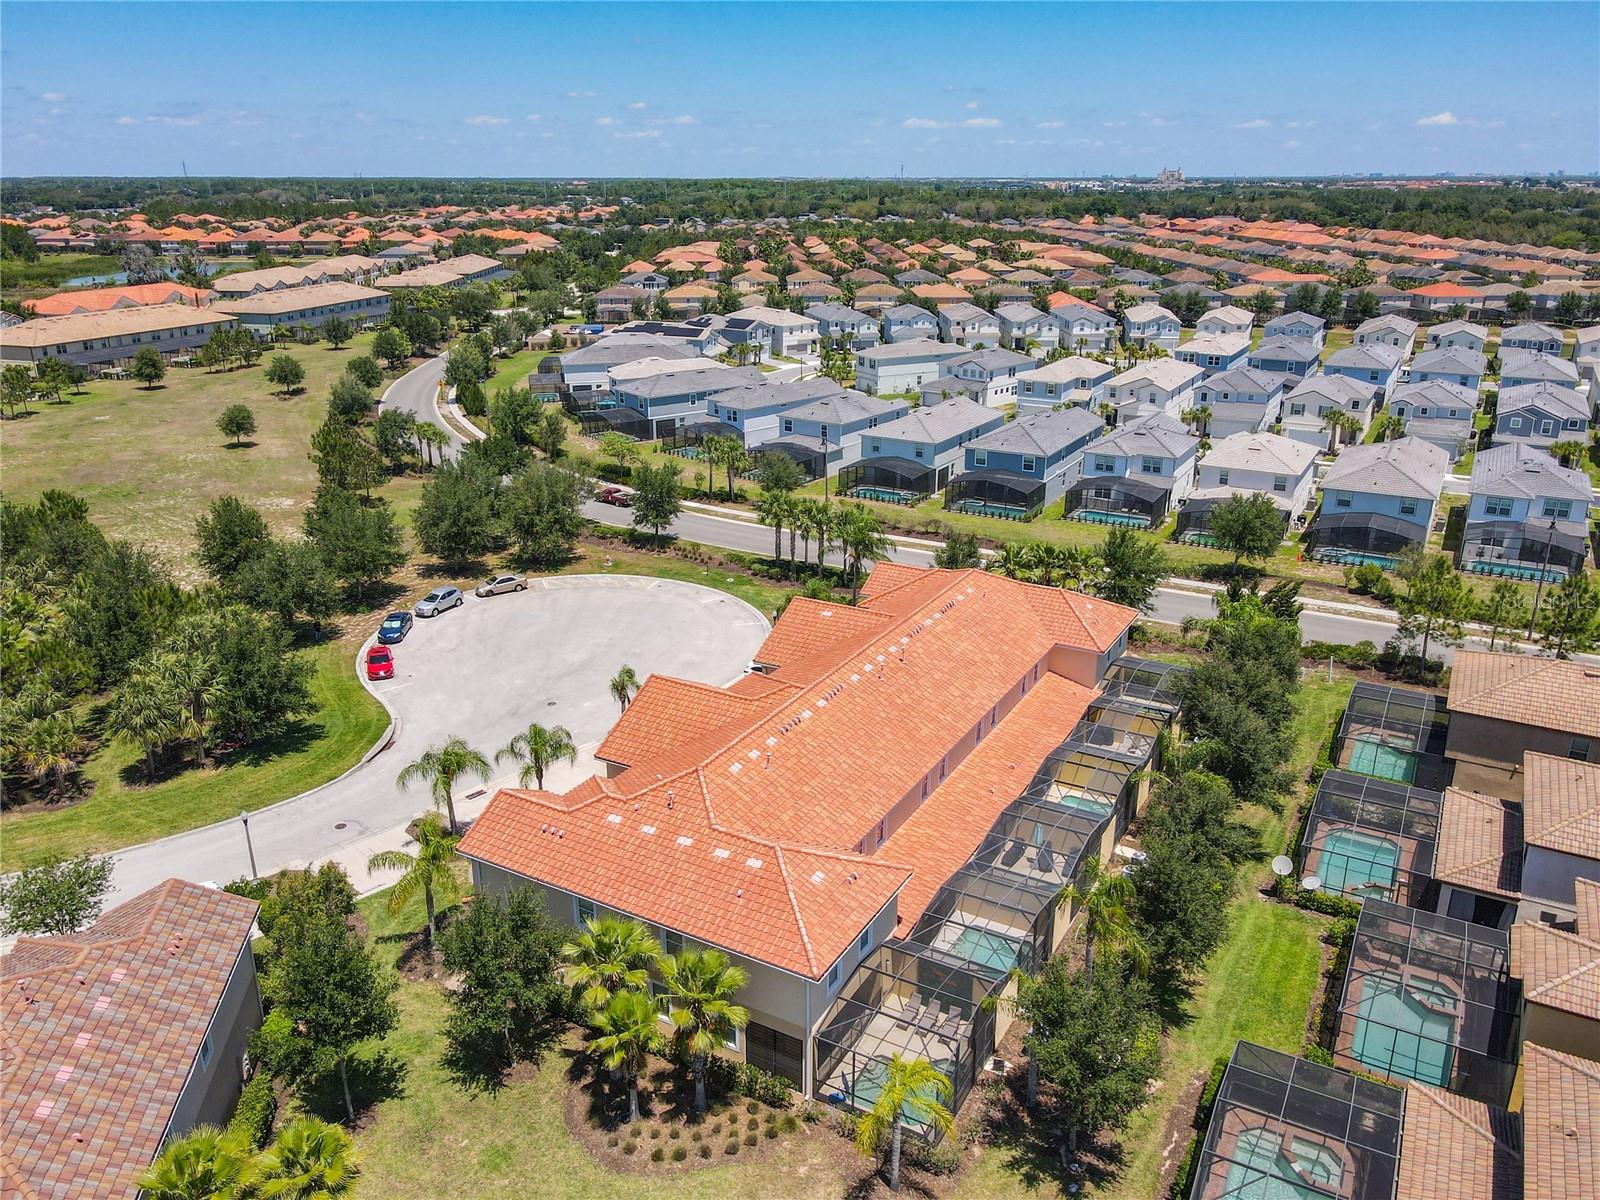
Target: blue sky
797	89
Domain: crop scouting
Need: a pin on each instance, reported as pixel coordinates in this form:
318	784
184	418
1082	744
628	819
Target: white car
496	584
438	601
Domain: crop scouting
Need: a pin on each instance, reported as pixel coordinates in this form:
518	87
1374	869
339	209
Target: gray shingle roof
992	360
1261	452
1458	360
1158	435
846	406
1375	356
681	383
1551	398
938	422
1287	349
915	348
1520	470
908	312
1297	318
1532	331
1043	433
1337	389
1389	321
1408	466
1530	364
1244	379
963	312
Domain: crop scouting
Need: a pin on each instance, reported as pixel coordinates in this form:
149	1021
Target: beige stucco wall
209	1095
1488	754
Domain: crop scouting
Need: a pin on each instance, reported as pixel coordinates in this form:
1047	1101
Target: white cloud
969	123
485	119
1298	124
1050	125
580	95
970	103
52	97
1441	118
127	120
1116	124
1155	121
921	123
638	106
1292	144
981	122
606	121
185	122
1258	123
684	119
638	133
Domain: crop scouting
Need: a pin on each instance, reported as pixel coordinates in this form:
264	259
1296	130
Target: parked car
380	663
439	600
616	494
496	584
394	628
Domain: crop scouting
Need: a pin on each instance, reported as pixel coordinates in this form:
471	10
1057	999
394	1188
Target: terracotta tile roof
810	626
1561	804
1479	844
1588	906
668	712
101	299
1546	692
835	738
100	1031
1560	1125
1558	970
1453	1148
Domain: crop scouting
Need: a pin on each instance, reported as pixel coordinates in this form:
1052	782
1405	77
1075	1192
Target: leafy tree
1435	602
726	453
365	371
618	446
52	374
550	432
1105	902
911	1088
100	617
1503	610
139	264
465	365
542	509
657	497
626	1031
610	956
623	686
344	459
1519	304
1246	526
514	413
1567	618
148	368
503	949
777	472
429	870
361	544
237	422
440	767
260	686
539	748
702	984
288	578
455	519
285	371
958	551
337	330
1132	568
393	435
309	1160
144	713
54	898
15	387
229	534
392	346
349	400
204	1164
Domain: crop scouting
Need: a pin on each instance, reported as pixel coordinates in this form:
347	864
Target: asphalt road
414	391
484	671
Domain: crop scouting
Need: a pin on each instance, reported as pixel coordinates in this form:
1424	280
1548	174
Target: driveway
483	671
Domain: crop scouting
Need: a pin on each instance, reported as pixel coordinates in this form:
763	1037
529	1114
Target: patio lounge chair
1045	861
928	1019
950	1027
1013	852
909	1014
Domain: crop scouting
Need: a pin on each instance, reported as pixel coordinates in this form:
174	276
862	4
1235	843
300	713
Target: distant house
910	322
307	307
1245	464
689	299
1161	385
1462	334
988	376
1023	323
1587	344
919	452
876	297
1297	325
1084	328
614	305
651	281
1525	511
1449	364
783	332
666	402
836	422
1305	410
1025	464
1226	319
1438	413
1066	382
1151	325
1241	401
112	336
1390	330
582	372
1380	498
752	412
1377	364
1296	358
968	325
123	1036
1520	367
1541	414
1214	352
903	366
1136	474
840	321
1532	335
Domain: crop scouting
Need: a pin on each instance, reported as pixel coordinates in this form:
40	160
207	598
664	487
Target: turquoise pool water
1351	860
985	949
1261	1170
1397	1034
1083	804
1371	755
868	1086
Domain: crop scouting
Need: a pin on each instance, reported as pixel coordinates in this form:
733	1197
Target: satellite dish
1312	883
1282	866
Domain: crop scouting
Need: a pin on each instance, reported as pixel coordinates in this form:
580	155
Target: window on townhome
1547	428
877	447
1028	464
585	910
919	451
1372	376
1297	410
834	974
1222	479
1150	466
1102	463
1408	508
671	941
205	1050
980	458
1579	749
1559	510
788	425
1516	424
1341	499
1497	506
1280	483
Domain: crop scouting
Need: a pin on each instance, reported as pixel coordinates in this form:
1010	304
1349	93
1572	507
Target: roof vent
735	768
613	819
753	863
719	852
647	830
685	840
817	877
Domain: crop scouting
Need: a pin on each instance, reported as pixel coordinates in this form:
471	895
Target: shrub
941	1159
658	1155
1183	1184
675	1133
750	1139
679	1154
845	1124
750	1106
771	1131
696	1136
753	1123
1317	1054
789	1124
1328	904
731	1147
655	1132
257	1106
705	1150
612	1141
630	1147
745	1079
1208	1094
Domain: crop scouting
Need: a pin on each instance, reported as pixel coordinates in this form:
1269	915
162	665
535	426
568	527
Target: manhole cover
549	703
340	825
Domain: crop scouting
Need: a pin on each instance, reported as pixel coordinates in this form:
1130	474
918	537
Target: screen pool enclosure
1396	734
1368	837
1283	1128
1430	998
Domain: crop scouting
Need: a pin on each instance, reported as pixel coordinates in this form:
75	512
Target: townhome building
114	336
613	305
782	332
581	374
910	322
1022	324
1250	464
1161	385
1024	465
307	308
1449	364
840	321
918	453
1378	499
1305	411
1294	358
1304	326
1084	328
1388	330
1136	474
1527	515
1440	414
751	412
1532	335
1067	382
1215	352
666	402
826	433
1376	364
900	367
1541	414
1240	401
1522	367
1224	320
968	325
987	376
1457	334
1151	325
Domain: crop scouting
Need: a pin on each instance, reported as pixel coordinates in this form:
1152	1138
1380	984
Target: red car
380	663
622	497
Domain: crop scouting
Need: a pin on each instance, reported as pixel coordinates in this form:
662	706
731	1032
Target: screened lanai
1396	734
1112	500
695	430
631	422
994	492
889	478
1430	998
807	456
1368	837
1145	682
1283	1128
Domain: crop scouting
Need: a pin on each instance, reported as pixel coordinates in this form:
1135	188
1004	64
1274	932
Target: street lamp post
1538	592
822	440
244	819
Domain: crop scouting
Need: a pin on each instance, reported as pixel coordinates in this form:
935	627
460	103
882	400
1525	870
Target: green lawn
148	461
346	723
514	370
614	559
1318	706
51	271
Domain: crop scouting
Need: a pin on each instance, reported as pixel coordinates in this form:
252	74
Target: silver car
439	600
496	584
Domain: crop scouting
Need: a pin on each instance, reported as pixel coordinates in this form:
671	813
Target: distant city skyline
799	89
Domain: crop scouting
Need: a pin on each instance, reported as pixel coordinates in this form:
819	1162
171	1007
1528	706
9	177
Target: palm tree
310	1160
1046	563
142	713
441	766
48	746
911	1087
817	519
701	984
611	955
205	1164
1198	419
1013	561
428	870
1106	901
627	1029
624	687
538	750
1078	567
862	537
191	674
775	509
1340	425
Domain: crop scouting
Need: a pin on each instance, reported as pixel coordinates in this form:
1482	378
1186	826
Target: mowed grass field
148	461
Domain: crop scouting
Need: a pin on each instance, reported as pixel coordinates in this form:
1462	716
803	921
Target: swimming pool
868	1086
984	949
1261	1170
1078	803
1350	861
1371	755
1398	1034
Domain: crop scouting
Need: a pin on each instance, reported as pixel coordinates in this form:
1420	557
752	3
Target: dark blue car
394	628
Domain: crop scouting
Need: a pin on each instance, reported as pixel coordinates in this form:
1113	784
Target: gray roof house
902	366
1389	330
1449	364
919	452
1023	323
1458	333
1541	414
1258	464
1213	352
1376	364
1531	335
1025	464
835	421
988	376
1084	327
1067	381
1135	475
1241	401
840	320
1298	358
968	325
1155	385
1227	319
1438	413
1297	325
906	322
1151	325
1305	410
1527	515
1528	366
1377	499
